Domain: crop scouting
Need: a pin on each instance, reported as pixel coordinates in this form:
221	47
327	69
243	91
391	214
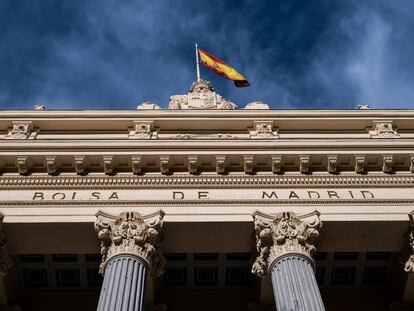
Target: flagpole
197	63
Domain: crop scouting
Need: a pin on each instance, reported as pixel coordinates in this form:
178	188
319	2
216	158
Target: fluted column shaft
124	282
294	285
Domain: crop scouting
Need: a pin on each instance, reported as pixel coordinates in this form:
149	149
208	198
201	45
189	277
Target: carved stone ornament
332	164
248	164
79	164
51	165
383	129
108	165
143	130
276	164
202	136
412	164
164	165
21	130
22	163
282	235
200	96
387	164
148	106
263	129
409	264
221	164
359	164
192	165
304	164
136	165
131	233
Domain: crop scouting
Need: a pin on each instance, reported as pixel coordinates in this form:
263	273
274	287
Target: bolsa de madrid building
205	206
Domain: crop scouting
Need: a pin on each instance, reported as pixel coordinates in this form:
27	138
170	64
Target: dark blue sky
88	54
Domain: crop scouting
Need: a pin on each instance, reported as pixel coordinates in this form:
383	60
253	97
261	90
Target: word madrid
213	194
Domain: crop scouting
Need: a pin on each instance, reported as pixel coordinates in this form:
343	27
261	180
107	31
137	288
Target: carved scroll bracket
284	234
131	233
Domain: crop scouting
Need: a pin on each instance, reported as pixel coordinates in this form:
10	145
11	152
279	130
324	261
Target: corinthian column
130	248
285	245
409	264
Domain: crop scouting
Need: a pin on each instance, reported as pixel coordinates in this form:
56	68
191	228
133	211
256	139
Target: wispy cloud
82	54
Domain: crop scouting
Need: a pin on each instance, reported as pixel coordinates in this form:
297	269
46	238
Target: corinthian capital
409	264
283	234
131	233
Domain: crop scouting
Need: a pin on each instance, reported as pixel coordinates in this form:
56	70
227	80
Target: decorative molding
359	164
304	164
136	165
165	165
221	164
192	164
51	165
332	164
131	233
108	165
248	164
201	136
21	130
143	130
383	129
387	162
284	234
409	264
22	163
263	129
79	164
276	164
157	181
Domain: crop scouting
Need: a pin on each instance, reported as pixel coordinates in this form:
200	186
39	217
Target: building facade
205	206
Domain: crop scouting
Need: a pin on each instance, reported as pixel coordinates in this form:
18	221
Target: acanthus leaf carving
304	164
387	162
136	165
108	165
332	164
165	165
22	163
221	164
409	264
192	164
276	164
248	164
359	164
282	235
79	164
51	165
131	233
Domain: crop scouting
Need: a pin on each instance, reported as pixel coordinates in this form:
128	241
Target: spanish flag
222	69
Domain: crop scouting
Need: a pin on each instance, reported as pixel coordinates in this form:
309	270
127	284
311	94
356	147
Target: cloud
313	54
